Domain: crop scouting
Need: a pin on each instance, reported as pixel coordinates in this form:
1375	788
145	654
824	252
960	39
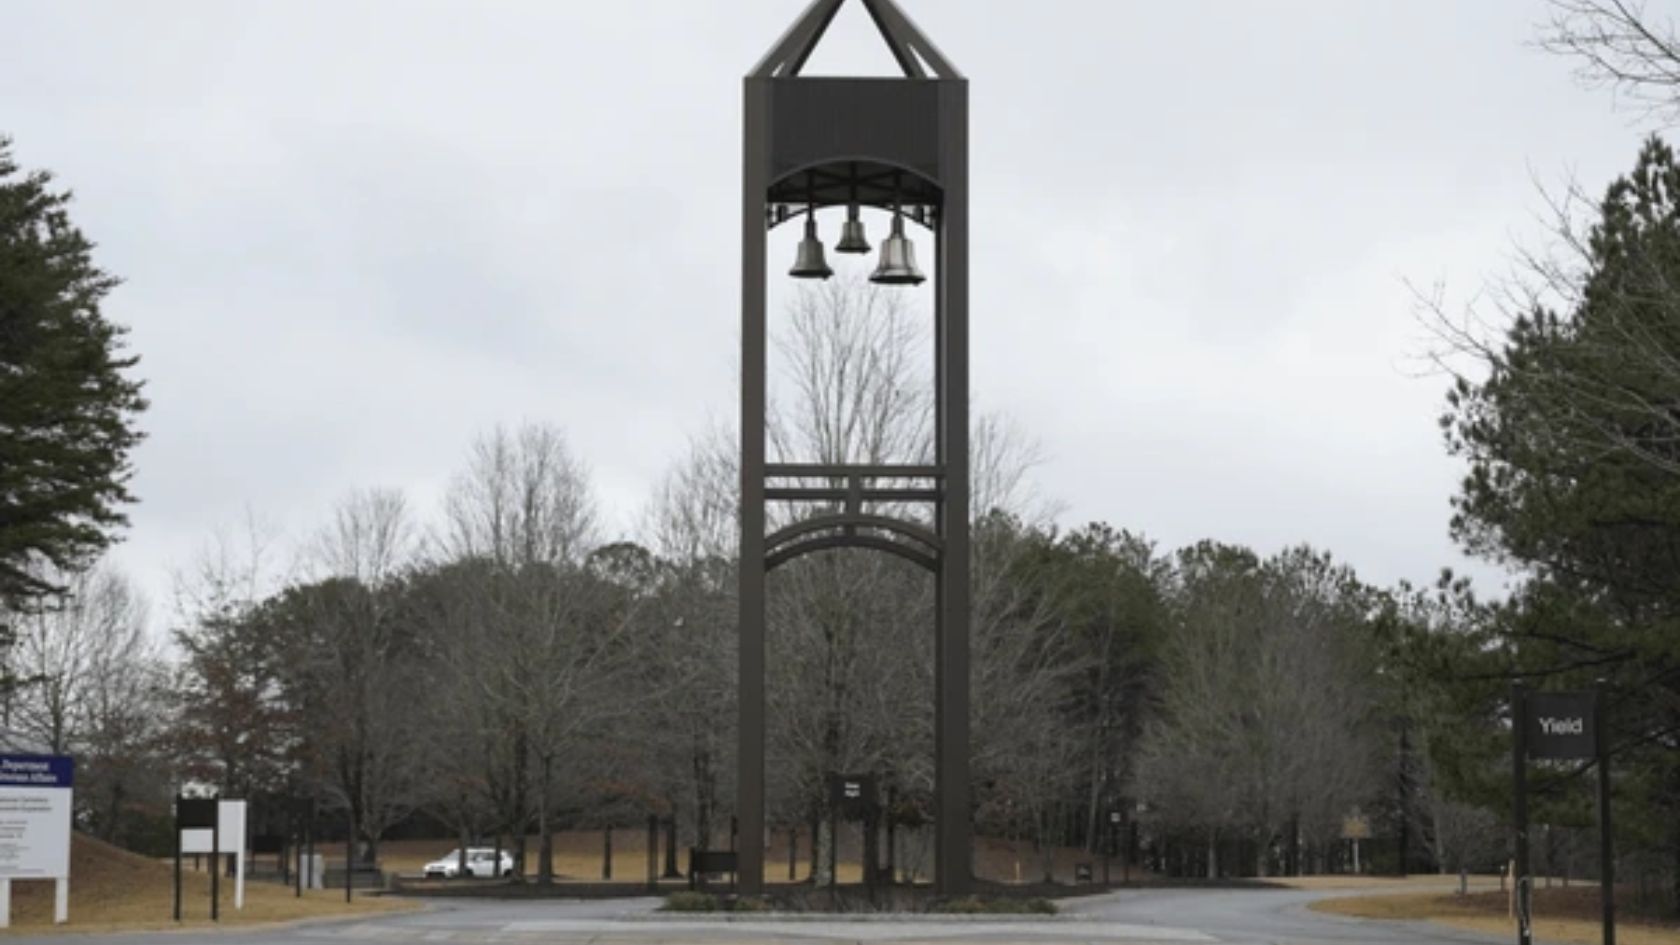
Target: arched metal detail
798	549
885	523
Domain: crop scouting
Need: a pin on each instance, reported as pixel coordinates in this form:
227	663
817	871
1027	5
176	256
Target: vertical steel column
1520	882
1606	832
952	854
750	680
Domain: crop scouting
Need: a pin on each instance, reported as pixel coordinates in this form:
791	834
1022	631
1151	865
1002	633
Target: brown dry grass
112	890
1561	915
1395	883
578	856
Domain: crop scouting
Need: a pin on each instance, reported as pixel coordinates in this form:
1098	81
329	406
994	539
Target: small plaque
853	795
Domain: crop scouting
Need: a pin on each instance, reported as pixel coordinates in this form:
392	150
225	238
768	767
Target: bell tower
899	144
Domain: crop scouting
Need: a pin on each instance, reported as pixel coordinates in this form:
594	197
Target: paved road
1132	917
1264	917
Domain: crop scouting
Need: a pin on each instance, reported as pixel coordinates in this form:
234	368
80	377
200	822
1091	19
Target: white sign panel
35	816
230	836
230	824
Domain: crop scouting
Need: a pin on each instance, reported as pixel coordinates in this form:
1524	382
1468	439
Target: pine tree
68	404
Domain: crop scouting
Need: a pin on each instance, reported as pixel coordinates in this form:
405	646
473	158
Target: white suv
481	863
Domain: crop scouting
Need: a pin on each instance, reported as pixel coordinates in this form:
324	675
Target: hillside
111	888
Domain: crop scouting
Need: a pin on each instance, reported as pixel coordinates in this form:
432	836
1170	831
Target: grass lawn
113	890
1561	915
578	857
1416	881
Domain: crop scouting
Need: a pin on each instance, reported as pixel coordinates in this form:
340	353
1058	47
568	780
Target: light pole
900	145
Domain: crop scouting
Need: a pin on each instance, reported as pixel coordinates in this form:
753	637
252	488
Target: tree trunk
871	851
1046	855
816	851
1213	855
671	871
545	827
521	766
824	852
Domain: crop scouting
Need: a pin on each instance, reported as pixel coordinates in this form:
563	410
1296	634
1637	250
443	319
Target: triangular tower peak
916	55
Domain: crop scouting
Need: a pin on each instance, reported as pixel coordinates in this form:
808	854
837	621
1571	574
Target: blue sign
37	771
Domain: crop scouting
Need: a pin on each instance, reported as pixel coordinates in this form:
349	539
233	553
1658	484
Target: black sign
1561	725
711	862
853	795
195	813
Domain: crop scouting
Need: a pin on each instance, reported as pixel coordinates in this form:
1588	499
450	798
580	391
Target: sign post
1606	837
215	827
191	814
1520	886
35	802
1356	827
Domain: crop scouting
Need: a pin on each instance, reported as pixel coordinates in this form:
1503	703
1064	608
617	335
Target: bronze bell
810	263
898	259
852	237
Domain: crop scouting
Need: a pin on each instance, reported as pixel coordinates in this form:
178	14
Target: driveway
1129	917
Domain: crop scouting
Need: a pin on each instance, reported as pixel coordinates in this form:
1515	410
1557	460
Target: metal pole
1520	882
749	804
1606	835
309	836
297	825
350	853
177	858
953	819
216	865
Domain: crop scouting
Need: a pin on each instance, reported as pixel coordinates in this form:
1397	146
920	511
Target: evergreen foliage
68	404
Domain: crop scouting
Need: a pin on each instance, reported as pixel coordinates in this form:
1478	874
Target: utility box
312	870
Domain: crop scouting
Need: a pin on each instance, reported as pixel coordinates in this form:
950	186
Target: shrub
974	905
690	901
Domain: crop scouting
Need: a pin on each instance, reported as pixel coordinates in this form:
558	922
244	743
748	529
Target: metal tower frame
894	143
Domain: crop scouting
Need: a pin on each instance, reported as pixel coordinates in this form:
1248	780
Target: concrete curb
911	918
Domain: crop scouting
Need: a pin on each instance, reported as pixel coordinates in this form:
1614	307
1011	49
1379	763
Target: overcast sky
355	235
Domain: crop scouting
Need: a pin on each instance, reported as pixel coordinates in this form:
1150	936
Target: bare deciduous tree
1620	44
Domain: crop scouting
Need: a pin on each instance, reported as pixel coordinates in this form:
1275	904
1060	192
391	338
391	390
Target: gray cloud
356	234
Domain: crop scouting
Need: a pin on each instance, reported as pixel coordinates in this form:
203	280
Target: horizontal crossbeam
779	494
835	471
